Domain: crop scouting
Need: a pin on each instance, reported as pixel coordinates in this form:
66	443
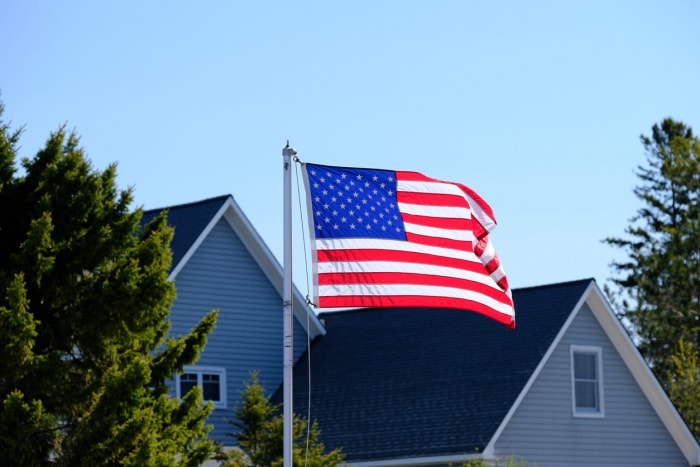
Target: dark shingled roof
404	382
188	220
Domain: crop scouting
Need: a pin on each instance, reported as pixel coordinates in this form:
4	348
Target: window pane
210	387
586	395
187	382
585	366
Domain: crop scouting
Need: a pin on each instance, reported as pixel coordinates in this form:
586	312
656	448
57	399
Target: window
212	380
587	381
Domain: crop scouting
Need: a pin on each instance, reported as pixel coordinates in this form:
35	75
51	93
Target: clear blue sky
536	105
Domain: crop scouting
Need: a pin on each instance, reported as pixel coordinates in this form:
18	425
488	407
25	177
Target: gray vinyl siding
544	432
248	335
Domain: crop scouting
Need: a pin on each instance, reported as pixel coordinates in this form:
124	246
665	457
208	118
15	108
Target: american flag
384	238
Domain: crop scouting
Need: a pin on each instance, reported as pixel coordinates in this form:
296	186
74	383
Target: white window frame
598	353
205	370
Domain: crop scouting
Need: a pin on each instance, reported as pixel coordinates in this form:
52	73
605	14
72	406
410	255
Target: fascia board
270	266
240	224
417	461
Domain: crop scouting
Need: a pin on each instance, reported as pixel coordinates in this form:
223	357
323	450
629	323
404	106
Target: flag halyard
383	238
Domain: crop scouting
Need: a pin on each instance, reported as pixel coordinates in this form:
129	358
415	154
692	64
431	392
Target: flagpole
288	355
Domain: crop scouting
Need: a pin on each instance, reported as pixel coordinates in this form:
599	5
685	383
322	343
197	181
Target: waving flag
384	238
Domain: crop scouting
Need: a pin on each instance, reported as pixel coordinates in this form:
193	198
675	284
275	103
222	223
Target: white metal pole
287	154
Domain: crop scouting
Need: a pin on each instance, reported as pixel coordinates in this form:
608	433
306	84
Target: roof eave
417	461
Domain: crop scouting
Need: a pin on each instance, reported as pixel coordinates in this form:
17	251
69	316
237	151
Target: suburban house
220	261
422	387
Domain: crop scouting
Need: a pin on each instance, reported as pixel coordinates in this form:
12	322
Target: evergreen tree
84	301
660	280
259	435
683	384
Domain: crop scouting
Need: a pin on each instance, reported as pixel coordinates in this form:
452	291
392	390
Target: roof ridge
190	204
556	284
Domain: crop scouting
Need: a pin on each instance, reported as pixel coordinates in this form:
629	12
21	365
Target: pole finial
289	151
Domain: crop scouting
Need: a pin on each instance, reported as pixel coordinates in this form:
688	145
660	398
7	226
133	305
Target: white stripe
464	235
489	252
383	244
340	290
450	212
488	222
372	267
441	188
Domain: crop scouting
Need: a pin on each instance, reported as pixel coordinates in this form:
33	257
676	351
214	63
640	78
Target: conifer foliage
659	282
259	435
661	276
84	300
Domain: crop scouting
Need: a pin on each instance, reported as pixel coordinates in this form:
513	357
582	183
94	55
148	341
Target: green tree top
84	300
661	277
259	435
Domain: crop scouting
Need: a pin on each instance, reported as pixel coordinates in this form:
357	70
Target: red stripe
414	301
441	222
392	255
413	177
431	199
493	265
503	283
481	246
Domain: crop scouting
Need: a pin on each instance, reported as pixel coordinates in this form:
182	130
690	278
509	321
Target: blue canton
354	203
